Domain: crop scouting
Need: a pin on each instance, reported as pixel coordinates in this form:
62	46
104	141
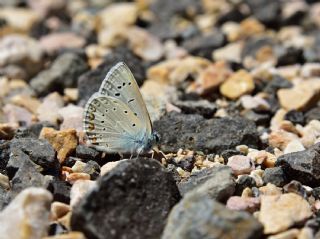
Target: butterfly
116	119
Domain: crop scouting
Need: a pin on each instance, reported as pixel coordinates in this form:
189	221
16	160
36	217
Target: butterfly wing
110	125
120	83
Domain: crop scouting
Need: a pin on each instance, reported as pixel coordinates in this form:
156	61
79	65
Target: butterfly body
116	119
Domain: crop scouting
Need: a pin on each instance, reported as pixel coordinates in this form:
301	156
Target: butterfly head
152	141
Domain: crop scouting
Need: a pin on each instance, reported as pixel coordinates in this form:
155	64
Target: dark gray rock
234	15
203	46
267	12
86	153
27	176
93	169
217	182
296	117
131	201
4	155
297	188
201	107
275	176
288	55
39	151
245	181
60	190
210	136
277	82
90	82
63	73
258	118
303	166
32	131
199	216
313	114
3	198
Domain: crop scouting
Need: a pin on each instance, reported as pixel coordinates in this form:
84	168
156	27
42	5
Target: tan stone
238	84
72	177
310	133
251	27
79	190
144	44
118	14
270	190
211	78
27	215
64	141
175	71
59	209
70	235
27	102
4	181
20	19
301	97
278	213
280	139
290	234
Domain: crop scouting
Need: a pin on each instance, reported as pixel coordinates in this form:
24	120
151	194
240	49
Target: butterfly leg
131	156
121	155
152	154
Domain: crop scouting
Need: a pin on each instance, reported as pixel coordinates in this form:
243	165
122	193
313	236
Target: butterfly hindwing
110	125
120	83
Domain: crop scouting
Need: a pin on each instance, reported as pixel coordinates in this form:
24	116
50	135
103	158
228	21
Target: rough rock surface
201	217
303	166
194	132
131	201
217	182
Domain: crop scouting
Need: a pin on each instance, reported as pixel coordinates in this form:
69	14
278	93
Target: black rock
234	15
27	176
203	46
313	114
60	190
267	12
288	56
63	73
86	153
303	166
217	182
316	192
32	131
56	228
201	107
90	82
245	181
199	216
186	164
210	136
297	188
295	117
275	176
93	169
131	201
39	151
4	155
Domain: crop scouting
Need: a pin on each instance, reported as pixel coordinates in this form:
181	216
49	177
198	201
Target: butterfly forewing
120	83
110	125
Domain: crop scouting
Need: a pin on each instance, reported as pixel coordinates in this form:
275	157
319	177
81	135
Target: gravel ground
232	88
